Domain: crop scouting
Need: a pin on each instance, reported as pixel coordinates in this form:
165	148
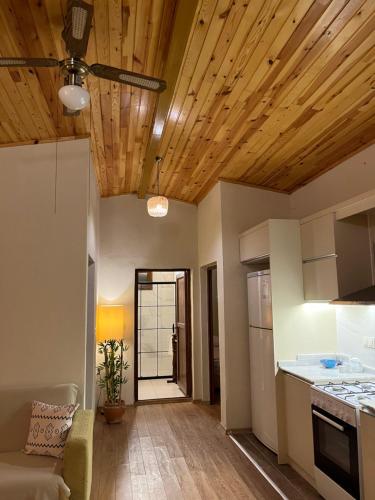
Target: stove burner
351	392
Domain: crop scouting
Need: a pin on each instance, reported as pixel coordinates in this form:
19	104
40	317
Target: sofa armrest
77	471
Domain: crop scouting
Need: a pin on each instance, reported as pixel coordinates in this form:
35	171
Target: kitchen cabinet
298	426
367	429
255	243
318	237
320	279
336	256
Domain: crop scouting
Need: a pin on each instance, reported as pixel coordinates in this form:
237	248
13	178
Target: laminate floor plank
179	451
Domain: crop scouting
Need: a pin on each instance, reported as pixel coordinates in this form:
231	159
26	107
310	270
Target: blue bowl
329	363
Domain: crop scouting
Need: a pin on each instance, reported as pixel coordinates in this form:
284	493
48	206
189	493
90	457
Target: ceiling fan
76	34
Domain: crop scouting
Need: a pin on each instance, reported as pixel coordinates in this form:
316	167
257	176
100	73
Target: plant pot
113	413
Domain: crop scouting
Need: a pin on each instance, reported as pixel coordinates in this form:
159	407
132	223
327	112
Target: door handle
328	421
173	328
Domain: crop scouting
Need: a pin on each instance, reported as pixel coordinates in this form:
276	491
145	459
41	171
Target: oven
336	450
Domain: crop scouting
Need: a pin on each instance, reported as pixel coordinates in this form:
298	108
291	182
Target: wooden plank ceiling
269	92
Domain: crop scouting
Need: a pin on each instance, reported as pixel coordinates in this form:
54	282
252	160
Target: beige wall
131	239
224	213
242	208
349	179
210	251
352	178
43	263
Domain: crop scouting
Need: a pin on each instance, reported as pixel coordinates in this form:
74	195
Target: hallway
172	451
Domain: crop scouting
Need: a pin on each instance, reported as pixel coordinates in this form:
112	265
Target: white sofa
30	477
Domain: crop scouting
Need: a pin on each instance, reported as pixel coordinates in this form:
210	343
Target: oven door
336	450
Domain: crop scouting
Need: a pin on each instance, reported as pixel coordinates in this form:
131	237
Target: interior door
182	350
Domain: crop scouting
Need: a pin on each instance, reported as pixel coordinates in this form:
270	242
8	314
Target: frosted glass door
156	317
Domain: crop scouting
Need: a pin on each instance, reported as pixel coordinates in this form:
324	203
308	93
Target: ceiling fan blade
26	62
128	77
77	27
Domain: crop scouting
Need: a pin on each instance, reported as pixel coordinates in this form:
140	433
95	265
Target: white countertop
308	368
319	375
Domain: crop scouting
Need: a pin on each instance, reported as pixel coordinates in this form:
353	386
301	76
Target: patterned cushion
49	427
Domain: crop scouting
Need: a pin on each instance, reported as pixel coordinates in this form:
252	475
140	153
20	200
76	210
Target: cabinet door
318	237
367	430
300	445
320	279
255	244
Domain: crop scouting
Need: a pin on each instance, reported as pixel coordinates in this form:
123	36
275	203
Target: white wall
242	208
131	239
43	263
354	323
210	251
349	179
223	214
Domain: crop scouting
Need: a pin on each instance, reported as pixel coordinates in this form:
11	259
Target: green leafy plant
111	372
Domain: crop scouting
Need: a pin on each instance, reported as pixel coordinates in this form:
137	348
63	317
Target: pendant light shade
157	206
74	97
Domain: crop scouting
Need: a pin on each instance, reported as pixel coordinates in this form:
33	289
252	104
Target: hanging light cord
158	161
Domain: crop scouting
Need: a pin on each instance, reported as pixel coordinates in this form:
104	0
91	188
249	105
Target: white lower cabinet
367	430
298	426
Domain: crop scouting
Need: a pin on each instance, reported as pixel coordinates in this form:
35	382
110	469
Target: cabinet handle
322	257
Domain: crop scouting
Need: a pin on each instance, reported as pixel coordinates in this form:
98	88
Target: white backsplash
354	323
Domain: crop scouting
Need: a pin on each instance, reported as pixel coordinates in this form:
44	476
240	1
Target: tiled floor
158	389
172	452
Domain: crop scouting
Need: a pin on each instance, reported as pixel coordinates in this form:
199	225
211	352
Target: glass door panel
156	317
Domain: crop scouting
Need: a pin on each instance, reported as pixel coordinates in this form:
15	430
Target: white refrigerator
262	366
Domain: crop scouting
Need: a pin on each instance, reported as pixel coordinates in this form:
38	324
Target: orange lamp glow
110	322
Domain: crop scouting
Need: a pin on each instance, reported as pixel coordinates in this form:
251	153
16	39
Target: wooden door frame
210	333
189	373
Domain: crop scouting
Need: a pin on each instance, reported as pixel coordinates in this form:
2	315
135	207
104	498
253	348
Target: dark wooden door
182	334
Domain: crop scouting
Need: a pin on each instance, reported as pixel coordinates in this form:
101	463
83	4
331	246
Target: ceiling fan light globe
157	206
74	97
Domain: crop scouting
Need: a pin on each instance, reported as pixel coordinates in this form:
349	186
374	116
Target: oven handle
329	421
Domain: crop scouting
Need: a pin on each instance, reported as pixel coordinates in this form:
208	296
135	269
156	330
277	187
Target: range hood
364	297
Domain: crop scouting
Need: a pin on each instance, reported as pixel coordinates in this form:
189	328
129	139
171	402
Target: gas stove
350	392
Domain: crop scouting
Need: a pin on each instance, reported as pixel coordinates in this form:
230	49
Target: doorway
213	335
162	337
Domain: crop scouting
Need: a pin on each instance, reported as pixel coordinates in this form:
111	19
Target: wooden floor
174	451
293	486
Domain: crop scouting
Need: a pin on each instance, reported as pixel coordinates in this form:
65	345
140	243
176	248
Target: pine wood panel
270	93
131	34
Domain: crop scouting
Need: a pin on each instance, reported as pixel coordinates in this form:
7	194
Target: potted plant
111	376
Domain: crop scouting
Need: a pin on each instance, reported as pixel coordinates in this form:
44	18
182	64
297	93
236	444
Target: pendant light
157	206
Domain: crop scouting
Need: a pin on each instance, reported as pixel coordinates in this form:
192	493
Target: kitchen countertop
317	374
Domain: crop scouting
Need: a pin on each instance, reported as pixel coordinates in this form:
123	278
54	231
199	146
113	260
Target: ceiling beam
185	14
33	142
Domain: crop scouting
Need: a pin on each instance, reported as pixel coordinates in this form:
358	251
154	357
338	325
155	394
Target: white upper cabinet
336	256
255	243
318	237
